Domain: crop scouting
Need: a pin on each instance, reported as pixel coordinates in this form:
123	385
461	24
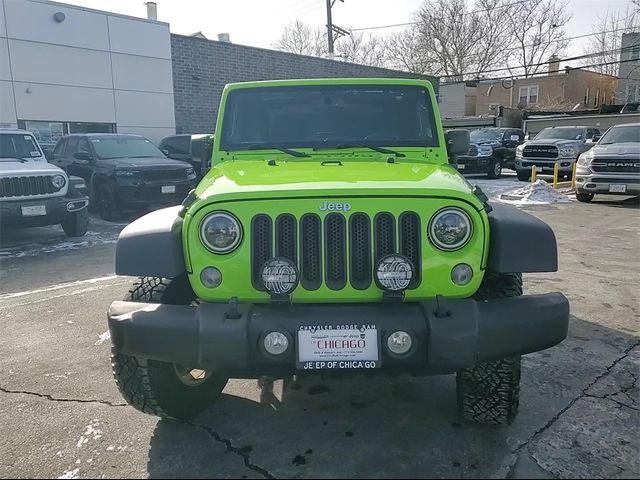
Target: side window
177	145
72	145
589	133
83	146
57	152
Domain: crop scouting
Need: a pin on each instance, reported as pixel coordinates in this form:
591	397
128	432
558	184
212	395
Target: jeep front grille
337	250
26	186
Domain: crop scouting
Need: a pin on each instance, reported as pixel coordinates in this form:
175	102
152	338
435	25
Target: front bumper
150	194
473	164
448	334
565	165
595	182
57	210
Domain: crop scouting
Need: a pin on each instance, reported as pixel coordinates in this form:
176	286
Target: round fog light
276	343
211	277
399	342
461	274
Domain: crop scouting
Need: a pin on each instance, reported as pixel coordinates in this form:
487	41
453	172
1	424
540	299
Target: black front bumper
58	209
449	335
150	194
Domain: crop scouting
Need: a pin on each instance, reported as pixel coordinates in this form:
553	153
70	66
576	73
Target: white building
67	69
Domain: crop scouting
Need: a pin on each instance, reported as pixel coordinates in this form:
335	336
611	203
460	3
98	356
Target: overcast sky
260	22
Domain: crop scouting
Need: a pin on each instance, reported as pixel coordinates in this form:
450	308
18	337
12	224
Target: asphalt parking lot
62	415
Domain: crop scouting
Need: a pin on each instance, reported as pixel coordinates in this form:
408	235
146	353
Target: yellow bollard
573	176
534	174
555	176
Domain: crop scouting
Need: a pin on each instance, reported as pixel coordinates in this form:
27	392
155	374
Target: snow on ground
58	244
510	190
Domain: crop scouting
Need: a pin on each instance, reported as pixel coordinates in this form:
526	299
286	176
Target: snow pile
538	193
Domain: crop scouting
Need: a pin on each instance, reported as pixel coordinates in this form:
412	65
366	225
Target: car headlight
450	229
58	181
191	173
585	159
220	232
485	151
127	173
567	152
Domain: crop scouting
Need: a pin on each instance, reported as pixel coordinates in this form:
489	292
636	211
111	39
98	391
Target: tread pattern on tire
153	386
489	393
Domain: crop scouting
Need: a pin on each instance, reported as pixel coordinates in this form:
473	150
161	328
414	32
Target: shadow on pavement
401	427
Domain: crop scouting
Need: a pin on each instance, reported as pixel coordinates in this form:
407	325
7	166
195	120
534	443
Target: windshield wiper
288	151
343	146
138	156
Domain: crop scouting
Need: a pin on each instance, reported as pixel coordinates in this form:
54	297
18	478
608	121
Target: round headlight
276	343
394	273
58	181
220	232
450	229
279	276
399	342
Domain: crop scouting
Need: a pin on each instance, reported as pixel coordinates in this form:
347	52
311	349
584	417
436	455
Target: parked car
124	172
612	166
194	149
324	241
491	150
554	145
35	193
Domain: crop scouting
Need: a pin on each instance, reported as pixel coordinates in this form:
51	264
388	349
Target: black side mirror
86	156
165	151
201	151
457	143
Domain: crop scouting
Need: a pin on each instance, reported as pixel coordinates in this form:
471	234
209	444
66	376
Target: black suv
194	149
491	150
124	172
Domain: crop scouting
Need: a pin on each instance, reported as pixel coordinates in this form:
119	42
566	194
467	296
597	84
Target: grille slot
410	244
360	251
164	175
286	237
261	247
311	252
540	151
616	166
385	236
26	186
335	251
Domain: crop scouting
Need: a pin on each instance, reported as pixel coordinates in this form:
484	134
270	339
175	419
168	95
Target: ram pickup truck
554	145
491	150
612	166
35	193
332	234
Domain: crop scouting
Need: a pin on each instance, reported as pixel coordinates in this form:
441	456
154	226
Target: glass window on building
46	133
528	95
633	92
81	127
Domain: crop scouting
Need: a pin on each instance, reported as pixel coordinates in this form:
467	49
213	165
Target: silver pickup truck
612	166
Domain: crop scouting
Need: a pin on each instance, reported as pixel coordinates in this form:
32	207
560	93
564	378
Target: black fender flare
519	242
152	246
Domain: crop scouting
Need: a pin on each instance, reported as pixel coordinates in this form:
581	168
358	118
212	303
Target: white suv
35	193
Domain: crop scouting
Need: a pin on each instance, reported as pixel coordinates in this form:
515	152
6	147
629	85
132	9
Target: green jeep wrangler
332	234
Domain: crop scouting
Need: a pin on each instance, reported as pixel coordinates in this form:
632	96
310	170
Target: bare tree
405	50
357	48
537	33
460	38
604	46
302	39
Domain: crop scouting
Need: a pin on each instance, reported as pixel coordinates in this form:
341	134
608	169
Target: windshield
485	135
326	116
564	133
18	146
621	135
125	147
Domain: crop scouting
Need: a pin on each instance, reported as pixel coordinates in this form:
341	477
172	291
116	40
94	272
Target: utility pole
333	32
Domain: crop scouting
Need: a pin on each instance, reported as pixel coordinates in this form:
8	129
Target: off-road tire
106	203
489	393
76	224
495	168
584	197
523	175
152	386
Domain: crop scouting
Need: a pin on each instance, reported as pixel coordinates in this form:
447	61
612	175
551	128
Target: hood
305	178
554	141
147	163
493	143
12	167
631	149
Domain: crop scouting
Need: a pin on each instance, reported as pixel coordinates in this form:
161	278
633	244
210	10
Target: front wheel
584	197
495	168
489	392
161	388
106	203
77	223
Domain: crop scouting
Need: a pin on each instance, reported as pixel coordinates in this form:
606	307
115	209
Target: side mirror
201	151
86	156
457	143
165	151
596	137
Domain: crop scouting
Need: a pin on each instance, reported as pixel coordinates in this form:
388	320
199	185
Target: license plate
461	166
34	211
338	347
169	189
617	188
538	169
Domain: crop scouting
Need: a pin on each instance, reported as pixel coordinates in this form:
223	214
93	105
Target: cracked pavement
62	415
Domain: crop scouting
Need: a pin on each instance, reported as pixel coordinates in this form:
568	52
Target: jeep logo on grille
335	207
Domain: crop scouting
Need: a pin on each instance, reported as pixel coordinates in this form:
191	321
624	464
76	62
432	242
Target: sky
260	22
